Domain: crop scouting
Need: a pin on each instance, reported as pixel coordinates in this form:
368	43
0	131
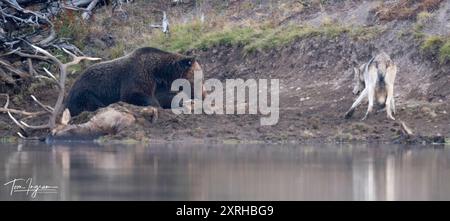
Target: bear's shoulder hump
150	50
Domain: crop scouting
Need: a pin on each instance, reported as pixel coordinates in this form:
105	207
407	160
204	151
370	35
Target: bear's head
177	67
187	67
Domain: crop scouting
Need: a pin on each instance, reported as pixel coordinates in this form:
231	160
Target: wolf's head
358	79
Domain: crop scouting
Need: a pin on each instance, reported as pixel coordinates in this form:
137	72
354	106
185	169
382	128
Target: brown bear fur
138	78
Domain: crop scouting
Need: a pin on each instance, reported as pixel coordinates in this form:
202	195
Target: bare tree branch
9	113
62	78
89	9
8	66
45	107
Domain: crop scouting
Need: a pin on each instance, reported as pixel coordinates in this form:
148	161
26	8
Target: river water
224	172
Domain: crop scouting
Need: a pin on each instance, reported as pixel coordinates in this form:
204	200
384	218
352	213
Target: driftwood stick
21	112
405	129
87	14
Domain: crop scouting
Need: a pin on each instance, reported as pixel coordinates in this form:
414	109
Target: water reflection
247	172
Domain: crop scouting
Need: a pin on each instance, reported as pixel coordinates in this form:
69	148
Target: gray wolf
375	80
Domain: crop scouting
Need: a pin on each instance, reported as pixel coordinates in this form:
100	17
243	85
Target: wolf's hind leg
371	98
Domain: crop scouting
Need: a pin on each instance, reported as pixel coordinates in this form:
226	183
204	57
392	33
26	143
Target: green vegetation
195	35
424	17
272	38
438	46
444	52
432	43
181	37
417	30
231	36
418	33
365	33
118	50
69	25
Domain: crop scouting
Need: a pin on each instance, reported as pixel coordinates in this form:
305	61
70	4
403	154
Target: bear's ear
186	62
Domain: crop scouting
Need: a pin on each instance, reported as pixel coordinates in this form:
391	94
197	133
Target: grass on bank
69	25
444	52
195	35
438	46
433	45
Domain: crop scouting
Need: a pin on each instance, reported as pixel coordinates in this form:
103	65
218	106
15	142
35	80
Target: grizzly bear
138	78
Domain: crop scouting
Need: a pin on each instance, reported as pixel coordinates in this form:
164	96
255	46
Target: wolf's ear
65	117
389	63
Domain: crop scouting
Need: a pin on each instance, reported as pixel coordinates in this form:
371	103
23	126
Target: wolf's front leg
356	103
